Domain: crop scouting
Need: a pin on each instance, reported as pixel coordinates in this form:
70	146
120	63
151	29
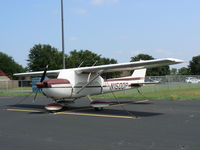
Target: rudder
140	74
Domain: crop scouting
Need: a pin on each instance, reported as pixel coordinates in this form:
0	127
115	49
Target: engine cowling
56	88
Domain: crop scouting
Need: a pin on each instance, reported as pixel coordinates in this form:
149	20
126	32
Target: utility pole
63	43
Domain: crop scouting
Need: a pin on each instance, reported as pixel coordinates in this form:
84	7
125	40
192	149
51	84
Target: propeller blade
41	80
35	95
44	74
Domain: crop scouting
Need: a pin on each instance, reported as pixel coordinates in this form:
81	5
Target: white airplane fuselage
70	85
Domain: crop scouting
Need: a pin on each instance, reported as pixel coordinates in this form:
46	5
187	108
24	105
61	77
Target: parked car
192	80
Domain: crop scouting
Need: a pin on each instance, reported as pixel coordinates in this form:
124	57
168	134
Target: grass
170	92
5	94
23	91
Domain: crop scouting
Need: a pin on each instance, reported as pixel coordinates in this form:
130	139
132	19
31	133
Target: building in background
5	81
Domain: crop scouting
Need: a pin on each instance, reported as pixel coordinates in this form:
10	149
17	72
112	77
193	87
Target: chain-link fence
176	81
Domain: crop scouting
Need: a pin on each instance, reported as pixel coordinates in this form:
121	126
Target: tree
8	65
194	66
183	71
158	71
141	57
173	71
42	55
87	58
82	57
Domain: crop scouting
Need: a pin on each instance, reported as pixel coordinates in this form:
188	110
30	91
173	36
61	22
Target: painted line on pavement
134	102
77	114
23	110
96	115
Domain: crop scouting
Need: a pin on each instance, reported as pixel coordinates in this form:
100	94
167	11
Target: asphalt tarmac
139	125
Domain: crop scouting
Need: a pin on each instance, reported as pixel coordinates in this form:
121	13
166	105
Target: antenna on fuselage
80	64
95	63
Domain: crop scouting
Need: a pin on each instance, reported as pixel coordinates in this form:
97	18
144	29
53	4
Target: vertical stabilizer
140	74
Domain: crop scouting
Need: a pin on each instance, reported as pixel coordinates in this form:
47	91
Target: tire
98	108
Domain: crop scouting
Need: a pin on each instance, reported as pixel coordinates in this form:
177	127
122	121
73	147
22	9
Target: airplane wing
38	73
130	65
111	67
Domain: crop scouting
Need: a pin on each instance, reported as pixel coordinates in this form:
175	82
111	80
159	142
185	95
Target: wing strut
96	76
91	72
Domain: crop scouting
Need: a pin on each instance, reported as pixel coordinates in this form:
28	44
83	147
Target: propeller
41	80
44	73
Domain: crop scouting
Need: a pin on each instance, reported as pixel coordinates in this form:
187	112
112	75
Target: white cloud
101	2
72	38
79	11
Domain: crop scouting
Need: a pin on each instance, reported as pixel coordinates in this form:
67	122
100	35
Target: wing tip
176	60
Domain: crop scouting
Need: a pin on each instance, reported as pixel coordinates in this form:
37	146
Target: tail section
139	75
137	79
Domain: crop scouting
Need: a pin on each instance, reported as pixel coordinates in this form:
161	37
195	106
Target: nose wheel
98	108
53	107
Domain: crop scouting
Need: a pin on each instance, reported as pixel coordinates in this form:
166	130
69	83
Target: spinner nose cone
39	84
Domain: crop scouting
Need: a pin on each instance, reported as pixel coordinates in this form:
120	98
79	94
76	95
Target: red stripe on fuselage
57	81
75	87
50	82
124	79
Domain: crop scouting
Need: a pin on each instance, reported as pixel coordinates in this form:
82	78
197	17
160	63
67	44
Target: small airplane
86	81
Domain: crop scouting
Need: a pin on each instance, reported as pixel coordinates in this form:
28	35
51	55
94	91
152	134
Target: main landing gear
98	105
59	105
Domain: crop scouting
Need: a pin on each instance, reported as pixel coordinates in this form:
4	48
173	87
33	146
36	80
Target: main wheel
98	108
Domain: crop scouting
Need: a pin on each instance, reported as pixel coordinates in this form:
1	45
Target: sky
118	29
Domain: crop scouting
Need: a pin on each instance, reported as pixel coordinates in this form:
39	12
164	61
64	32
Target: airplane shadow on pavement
39	109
